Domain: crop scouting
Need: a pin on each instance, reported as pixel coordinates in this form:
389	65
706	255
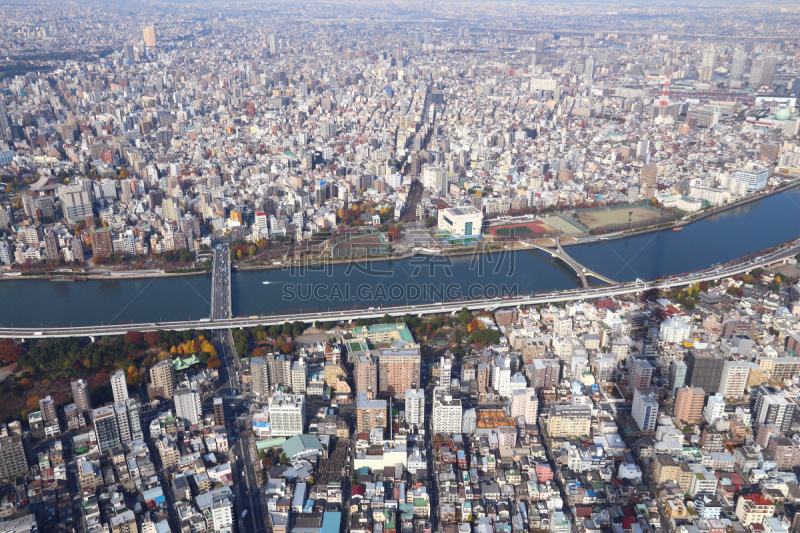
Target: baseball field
600	219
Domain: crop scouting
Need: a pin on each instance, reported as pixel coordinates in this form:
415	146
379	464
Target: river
728	235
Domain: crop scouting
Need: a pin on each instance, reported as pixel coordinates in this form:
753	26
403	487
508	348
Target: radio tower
665	93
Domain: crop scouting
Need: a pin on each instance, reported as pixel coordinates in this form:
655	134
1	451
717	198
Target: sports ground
521	230
361	245
611	217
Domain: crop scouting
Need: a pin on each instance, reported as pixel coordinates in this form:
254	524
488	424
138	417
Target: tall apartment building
524	403
286	414
703	369
733	380
105	427
640	374
370	414
762	71
648	175
398	370
689	404
446	414
188	406
80	395
501	376
129	426
544	373
365	375
645	409
415	407
219	412
677	375
13	462
714	409
102	242
47	406
162	379
259	377
119	386
708	64
772	407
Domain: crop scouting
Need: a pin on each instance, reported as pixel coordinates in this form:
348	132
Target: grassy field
599	219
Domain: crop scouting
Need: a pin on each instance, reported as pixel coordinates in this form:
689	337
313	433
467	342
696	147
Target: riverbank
499	246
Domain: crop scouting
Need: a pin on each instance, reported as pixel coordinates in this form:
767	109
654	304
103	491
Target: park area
527	229
636	216
361	245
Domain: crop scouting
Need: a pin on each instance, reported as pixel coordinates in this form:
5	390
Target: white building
435	179
461	221
645	409
286	414
299	376
674	331
524	403
187	405
733	380
222	514
446	413
501	376
119	386
754	175
415	407
714	409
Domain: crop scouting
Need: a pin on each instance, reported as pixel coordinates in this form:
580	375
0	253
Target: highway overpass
619	289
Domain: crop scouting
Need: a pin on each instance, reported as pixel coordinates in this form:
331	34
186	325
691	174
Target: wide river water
728	235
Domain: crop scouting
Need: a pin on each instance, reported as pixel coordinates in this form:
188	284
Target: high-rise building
689	404
286	414
446	414
102	242
259	377
272	40
370	414
645	409
105	427
703	369
714	409
398	370
365	375
762	71
501	376
677	375
648	175
162	379
738	65
544	373
119	386
733	380
415	407
47	406
13	462
188	406
524	403
76	203
640	374
149	35
123	422
80	395
772	407
219	412
708	64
